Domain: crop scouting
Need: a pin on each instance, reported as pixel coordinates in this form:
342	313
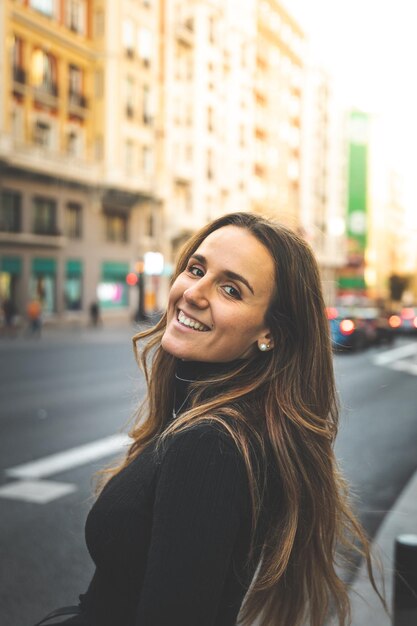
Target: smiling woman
229	505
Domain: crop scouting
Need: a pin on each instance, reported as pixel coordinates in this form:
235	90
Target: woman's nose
197	295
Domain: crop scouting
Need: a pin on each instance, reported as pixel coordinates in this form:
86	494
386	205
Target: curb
402	519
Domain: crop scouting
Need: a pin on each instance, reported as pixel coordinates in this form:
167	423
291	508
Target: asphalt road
70	390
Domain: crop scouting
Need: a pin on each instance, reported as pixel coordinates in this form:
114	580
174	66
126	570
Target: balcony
185	33
19	75
77	104
46	94
52	240
77	100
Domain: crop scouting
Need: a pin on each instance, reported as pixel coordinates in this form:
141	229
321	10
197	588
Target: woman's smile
190	322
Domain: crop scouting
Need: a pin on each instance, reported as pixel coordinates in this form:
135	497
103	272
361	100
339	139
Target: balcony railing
47	93
78	100
19	75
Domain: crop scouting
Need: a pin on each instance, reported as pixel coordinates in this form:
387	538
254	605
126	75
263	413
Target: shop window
116	228
73	285
44	216
43	283
112	292
10	211
73	220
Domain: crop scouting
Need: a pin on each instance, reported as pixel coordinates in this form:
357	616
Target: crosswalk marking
31	486
36	491
399	359
63	461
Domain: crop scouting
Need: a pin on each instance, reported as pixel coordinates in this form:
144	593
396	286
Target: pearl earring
263	347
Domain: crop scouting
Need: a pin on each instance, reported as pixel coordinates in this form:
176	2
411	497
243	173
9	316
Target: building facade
323	177
278	97
74	212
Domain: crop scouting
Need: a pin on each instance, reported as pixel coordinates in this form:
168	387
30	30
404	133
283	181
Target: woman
230	487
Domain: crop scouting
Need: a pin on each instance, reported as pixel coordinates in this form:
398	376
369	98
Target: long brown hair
297	576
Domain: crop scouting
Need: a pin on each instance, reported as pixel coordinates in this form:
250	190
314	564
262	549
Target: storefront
10	275
112	292
43	283
73	285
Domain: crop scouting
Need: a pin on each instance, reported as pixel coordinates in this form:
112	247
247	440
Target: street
66	399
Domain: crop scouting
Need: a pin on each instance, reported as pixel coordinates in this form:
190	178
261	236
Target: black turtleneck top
170	534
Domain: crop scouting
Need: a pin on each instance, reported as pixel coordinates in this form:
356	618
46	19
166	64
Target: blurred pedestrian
9	313
34	315
95	318
229	500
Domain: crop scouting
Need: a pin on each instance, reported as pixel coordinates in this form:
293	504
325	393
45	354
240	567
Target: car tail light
332	313
347	327
394	321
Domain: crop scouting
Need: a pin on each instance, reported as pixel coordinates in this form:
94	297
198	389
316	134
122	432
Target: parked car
406	320
355	328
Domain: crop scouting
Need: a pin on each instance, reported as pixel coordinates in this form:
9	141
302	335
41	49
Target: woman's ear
266	342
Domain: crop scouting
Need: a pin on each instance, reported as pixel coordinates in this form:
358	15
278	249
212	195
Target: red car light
394	321
347	327
407	314
332	313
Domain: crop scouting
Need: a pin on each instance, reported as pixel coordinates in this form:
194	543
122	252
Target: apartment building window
129	156
73	220
10	211
147	105
147	160
44	216
209	165
145	45
42	134
98	148
212	29
74	143
44	72
18	123
75	17
130	96
99	23
210	123
128	37
47	7
75	86
98	84
19	74
116	228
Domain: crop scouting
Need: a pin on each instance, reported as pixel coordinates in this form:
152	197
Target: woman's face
217	306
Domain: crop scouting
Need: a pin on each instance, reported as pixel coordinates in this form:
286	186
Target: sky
370	48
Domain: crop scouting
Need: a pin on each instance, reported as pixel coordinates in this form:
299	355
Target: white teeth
187	321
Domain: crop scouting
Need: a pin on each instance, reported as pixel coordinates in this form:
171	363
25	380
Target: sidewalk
402	519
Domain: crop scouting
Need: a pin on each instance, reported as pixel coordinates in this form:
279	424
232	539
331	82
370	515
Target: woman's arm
201	499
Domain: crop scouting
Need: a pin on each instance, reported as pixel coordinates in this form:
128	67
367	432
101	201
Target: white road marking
409	349
63	461
31	488
37	491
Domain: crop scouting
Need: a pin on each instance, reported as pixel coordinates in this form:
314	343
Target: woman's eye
232	291
195	270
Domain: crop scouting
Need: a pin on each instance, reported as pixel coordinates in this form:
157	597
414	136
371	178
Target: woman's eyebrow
228	273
